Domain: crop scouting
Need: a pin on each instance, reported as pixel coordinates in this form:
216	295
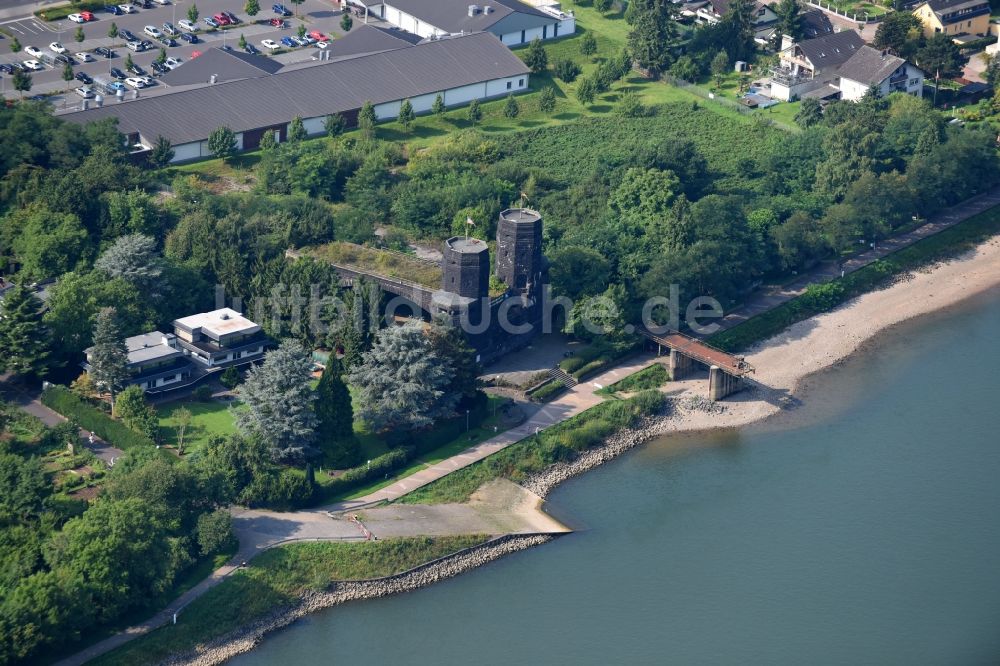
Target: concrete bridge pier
721	384
680	366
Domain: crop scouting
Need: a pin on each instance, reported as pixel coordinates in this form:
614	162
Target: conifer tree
23	337
108	357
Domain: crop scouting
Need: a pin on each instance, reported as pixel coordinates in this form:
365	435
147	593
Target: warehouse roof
368	39
453	15
328	87
225	65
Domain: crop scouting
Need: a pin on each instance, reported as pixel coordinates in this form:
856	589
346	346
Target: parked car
83	56
136	69
278	23
129	9
104	52
62	59
289	42
233	18
135	46
128	35
56	47
172	62
162	2
168	41
168	28
190	26
117	73
85	92
190	38
6	68
33	51
281	10
77	18
135	82
322	45
306	40
158	67
318	36
222	19
83	77
33	65
211	22
251	49
114	10
88	16
270	44
115	86
152	31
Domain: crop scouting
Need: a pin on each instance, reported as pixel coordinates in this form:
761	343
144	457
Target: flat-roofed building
220	338
155	361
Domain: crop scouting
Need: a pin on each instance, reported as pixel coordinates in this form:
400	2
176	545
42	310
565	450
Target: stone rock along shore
246	638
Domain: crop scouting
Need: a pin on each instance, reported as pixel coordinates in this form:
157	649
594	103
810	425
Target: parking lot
319	15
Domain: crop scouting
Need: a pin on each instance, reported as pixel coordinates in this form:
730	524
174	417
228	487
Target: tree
301	30
193	13
475	114
511	109
941	56
579	271
406	115
67	72
810	113
129	64
547	100
15	45
653	33
335	124
23	337
47	243
113	30
79	36
133	410
402	381
448	342
739	23
278	399
268	142
800	243
567	70
438	107
586	90
335	413
161	153
536	58
83	386
367	119
21	81
161	57
182	417
215	529
789	21
588	44
899	32
720	67
630	105
25	489
296	130
230	377
222	143
603	6
108	358
346	22
132	257
242	43
252	7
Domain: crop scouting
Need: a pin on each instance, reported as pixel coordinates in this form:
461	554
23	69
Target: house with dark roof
805	65
512	21
764	21
874	68
155	362
459	69
954	17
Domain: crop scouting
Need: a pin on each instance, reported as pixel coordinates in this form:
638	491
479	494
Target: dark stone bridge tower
519	251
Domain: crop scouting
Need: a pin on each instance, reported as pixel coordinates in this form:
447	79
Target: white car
190	26
270	44
56	47
84	57
33	51
33	65
129	9
85	92
162	2
135	82
322	45
152	31
77	18
172	63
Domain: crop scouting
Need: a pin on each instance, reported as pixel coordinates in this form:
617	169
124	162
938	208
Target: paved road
771	297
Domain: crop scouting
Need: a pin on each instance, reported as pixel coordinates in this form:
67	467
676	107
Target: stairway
563	378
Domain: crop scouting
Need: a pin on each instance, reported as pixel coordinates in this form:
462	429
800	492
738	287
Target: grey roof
940	7
830	51
368	39
467	245
870	66
815	23
327	87
147	347
225	65
453	15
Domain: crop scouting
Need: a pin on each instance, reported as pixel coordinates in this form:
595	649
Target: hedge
116	433
547	391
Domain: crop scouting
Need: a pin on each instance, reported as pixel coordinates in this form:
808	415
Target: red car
319	36
222	19
278	23
87	16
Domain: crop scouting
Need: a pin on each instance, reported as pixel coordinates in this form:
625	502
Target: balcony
785	77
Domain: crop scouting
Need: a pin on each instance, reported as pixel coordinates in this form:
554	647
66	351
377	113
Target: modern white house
512	21
155	361
460	69
220	338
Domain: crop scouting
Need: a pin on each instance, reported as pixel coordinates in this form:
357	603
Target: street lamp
466	420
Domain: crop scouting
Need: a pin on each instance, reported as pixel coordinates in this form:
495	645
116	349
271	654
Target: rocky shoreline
246	638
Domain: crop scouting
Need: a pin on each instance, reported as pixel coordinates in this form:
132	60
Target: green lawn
278	578
208	419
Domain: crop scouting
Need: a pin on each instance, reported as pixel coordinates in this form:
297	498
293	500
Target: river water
862	529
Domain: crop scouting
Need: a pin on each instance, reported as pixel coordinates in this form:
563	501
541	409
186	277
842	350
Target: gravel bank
246	638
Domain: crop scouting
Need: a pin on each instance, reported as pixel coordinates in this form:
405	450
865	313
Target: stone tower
519	249
466	267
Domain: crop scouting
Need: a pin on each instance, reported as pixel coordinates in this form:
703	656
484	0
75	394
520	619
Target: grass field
276	579
208	419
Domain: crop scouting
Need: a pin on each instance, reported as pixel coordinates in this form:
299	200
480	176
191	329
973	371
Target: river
864	528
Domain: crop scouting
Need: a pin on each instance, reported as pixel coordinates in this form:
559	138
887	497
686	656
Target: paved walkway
771	297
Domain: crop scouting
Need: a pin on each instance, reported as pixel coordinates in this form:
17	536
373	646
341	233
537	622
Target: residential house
512	21
954	17
155	362
220	338
460	69
712	11
873	68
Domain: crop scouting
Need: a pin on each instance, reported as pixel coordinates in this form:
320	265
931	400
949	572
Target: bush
116	433
215	531
547	391
202	394
287	489
230	378
567	70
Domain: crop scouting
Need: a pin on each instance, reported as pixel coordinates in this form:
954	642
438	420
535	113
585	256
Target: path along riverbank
786	366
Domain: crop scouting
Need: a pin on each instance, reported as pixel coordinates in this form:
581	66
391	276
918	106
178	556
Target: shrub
215	531
567	70
202	394
116	433
547	391
230	378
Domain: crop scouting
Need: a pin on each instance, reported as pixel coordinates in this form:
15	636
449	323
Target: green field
208	419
